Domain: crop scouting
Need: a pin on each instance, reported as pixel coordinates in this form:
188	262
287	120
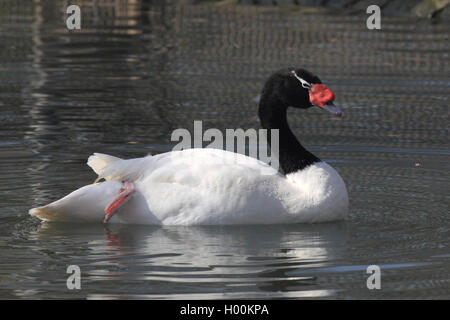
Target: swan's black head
296	87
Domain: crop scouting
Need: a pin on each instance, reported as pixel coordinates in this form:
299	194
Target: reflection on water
190	262
139	69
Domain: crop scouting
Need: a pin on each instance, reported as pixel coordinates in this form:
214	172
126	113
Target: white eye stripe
305	84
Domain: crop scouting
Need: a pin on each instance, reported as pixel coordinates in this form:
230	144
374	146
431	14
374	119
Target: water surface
136	72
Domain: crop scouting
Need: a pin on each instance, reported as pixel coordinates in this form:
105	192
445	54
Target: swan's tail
99	162
112	168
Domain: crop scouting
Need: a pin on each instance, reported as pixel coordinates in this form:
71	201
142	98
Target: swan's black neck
292	155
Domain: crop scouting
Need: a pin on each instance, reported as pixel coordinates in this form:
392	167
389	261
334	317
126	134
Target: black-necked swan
200	187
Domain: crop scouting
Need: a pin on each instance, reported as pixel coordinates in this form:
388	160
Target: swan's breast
321	192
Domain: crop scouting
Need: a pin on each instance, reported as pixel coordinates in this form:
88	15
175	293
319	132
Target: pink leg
126	192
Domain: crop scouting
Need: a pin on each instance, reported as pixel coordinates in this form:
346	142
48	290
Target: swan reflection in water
197	262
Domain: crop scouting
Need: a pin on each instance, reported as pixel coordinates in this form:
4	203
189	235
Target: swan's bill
333	109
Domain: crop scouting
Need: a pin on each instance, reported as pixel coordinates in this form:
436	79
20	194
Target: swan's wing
200	186
176	164
113	168
210	186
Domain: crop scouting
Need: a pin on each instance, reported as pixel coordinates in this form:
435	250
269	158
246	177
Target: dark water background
136	72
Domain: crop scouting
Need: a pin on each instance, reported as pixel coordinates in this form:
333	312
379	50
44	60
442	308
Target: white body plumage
204	187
